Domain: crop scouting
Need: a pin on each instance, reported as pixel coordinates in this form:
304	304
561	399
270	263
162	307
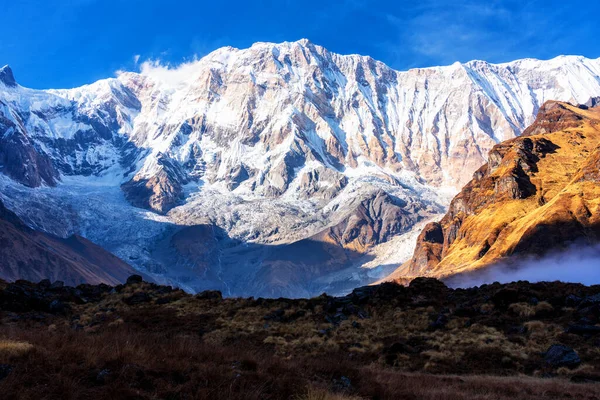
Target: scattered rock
572	300
45	284
362	295
210	295
505	297
534	301
517	330
428	286
134	279
583	329
439	322
559	355
103	376
137	298
590	301
400	348
57	285
57	307
5	370
581	378
336	319
342	384
277	315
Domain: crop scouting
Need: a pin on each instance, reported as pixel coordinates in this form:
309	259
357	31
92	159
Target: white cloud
578	264
169	75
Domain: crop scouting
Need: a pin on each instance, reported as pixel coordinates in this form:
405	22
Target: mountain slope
538	192
274	144
28	254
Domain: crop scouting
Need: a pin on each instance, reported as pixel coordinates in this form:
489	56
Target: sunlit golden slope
538	192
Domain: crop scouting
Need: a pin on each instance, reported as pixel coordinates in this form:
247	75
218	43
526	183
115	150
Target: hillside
539	192
29	254
424	341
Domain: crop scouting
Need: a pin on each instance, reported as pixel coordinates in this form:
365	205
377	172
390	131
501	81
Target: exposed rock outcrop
537	193
376	219
160	191
7	77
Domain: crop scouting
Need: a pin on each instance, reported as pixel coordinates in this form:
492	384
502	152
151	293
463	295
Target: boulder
590	301
505	297
439	322
137	298
57	285
559	355
210	295
5	370
428	286
57	307
134	279
572	300
583	329
44	284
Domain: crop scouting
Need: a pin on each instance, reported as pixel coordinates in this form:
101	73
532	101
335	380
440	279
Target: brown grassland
425	341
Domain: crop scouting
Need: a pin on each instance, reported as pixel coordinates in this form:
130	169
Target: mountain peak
304	42
7	77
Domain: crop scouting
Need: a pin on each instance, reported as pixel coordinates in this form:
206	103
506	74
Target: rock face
537	193
33	255
374	221
274	144
7	77
158	192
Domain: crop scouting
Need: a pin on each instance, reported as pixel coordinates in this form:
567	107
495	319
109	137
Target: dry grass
188	348
10	349
522	309
120	363
313	393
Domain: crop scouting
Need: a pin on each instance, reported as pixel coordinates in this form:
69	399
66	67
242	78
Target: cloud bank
578	265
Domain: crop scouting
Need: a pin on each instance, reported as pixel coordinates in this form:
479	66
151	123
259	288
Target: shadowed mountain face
204	258
538	193
32	255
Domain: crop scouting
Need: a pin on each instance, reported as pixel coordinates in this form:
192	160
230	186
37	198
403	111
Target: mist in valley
578	264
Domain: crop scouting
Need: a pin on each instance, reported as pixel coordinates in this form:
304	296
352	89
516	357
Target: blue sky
67	43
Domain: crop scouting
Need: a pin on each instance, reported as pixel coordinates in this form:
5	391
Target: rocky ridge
537	193
273	144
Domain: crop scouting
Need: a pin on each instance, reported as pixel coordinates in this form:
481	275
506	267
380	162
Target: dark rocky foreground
423	341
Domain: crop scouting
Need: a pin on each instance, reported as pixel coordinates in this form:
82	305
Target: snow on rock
273	145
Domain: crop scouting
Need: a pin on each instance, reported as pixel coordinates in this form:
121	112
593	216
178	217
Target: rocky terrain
29	254
537	193
422	341
276	145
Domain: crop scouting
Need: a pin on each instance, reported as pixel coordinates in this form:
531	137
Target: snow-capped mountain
206	174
